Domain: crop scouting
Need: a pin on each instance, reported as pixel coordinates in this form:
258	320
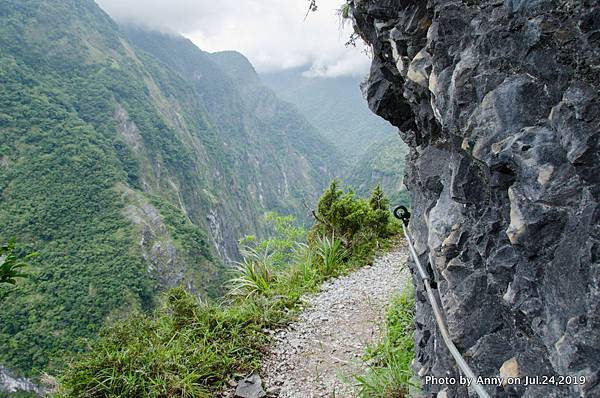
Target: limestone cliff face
498	101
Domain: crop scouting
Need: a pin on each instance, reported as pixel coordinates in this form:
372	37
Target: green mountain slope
129	170
382	164
284	159
373	152
335	106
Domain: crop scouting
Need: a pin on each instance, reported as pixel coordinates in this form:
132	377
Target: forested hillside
288	159
372	150
382	164
131	162
335	106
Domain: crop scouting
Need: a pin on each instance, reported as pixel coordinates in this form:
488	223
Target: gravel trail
318	355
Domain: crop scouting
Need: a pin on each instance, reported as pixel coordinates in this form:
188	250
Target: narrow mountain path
318	355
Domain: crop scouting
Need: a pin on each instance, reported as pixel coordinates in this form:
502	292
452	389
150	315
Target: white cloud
273	34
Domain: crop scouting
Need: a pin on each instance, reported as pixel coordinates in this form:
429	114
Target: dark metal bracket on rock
402	213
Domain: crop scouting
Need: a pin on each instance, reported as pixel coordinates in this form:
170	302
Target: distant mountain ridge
335	106
263	127
371	147
131	161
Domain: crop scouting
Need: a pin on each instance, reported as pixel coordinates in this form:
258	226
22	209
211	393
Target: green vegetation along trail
320	353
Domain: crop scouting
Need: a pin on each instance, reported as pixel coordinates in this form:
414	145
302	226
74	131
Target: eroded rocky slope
498	101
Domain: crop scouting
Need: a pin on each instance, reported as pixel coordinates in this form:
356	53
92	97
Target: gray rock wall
498	101
12	384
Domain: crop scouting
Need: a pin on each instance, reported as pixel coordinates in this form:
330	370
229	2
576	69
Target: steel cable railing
403	214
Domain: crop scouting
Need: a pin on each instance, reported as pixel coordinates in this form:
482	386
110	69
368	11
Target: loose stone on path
319	354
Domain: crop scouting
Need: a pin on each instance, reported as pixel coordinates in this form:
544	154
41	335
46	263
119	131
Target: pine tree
379	203
378	200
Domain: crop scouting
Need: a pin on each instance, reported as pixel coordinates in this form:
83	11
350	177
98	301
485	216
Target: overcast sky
272	33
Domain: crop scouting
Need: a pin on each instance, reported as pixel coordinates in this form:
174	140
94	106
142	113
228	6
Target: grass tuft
390	375
331	254
255	273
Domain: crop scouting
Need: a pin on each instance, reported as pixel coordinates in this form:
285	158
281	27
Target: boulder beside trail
250	387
